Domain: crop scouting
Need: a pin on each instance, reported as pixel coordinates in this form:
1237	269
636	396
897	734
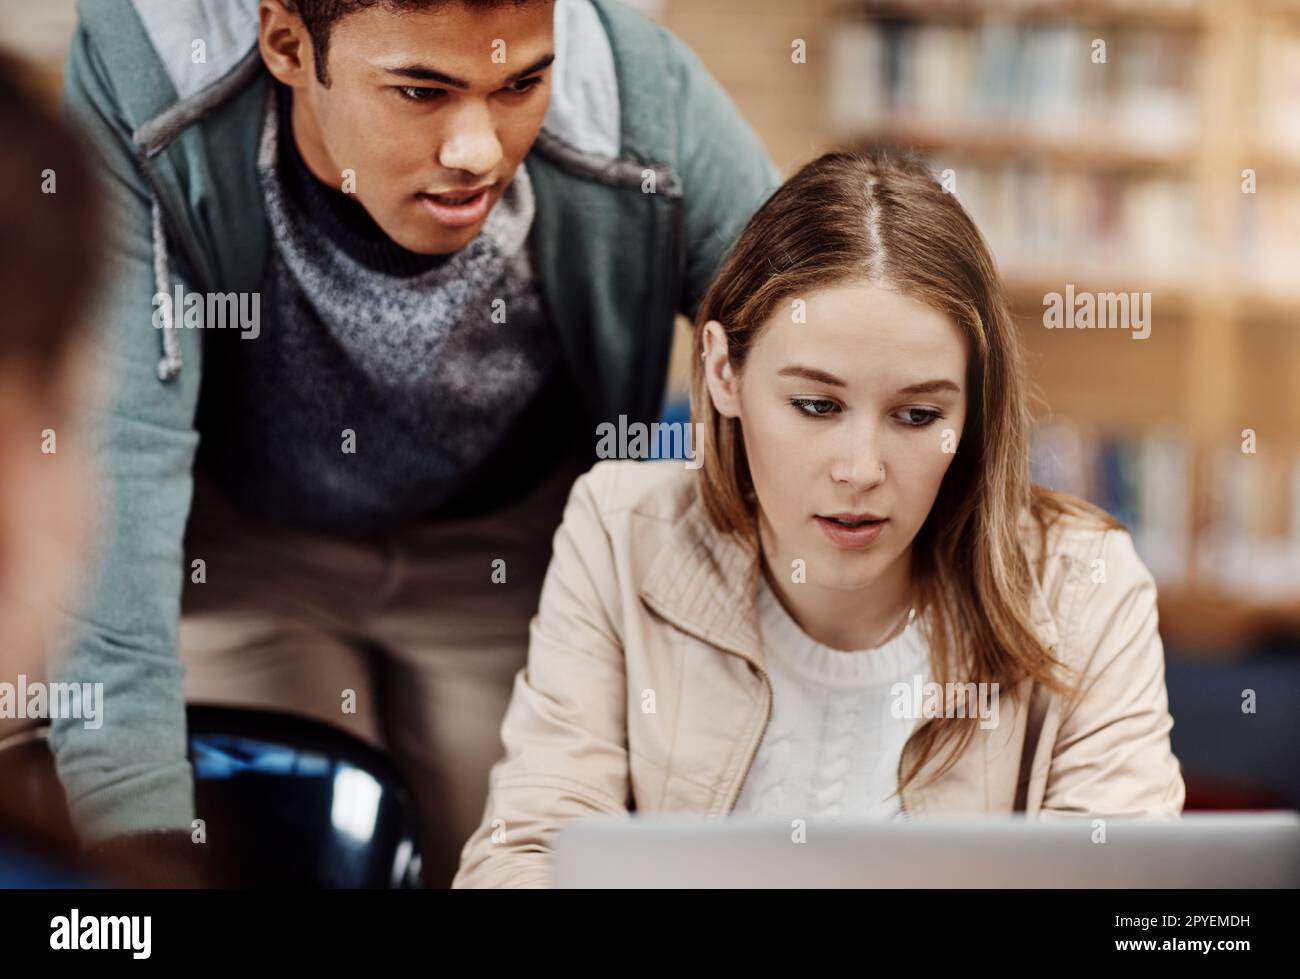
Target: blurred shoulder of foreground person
50	267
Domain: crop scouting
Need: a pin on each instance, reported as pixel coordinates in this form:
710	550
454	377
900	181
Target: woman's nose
860	462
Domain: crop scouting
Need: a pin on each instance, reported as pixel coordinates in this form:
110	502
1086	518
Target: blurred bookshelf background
1122	175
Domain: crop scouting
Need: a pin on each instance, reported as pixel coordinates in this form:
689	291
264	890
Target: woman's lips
842	536
458	215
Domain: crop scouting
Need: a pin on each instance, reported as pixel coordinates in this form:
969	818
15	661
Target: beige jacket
643	595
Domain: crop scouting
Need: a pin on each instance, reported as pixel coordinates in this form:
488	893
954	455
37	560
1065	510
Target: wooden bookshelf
1084	151
1184	15
1206	624
1198	370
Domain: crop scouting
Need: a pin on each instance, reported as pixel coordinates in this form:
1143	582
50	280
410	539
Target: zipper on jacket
902	797
753	748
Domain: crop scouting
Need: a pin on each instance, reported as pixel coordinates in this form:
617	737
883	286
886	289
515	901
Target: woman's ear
724	386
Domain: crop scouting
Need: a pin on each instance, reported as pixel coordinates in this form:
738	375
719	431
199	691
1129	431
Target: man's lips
450	213
456	196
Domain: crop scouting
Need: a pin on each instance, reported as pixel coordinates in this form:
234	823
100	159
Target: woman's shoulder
1084	561
1058	527
623	517
661	490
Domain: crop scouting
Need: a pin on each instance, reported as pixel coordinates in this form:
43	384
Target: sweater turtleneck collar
904	653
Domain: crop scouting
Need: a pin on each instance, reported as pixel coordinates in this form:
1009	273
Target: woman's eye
416	94
920	417
816	407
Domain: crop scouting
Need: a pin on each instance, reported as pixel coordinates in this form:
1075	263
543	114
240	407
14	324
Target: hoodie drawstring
170	364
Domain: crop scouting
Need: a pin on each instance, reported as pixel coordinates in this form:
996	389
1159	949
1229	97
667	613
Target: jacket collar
705	583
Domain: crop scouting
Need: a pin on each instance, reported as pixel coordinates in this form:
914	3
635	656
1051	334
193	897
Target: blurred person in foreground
50	253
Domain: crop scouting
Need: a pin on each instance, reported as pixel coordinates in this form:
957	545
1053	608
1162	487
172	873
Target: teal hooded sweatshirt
644	173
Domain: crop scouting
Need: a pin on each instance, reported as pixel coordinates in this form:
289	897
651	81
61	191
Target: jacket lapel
705	583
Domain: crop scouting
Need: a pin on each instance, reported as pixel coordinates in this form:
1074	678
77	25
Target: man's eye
528	85
415	94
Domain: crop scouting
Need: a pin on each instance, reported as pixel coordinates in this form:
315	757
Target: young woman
858	606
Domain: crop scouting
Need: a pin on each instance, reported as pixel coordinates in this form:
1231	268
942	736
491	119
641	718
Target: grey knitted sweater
380	389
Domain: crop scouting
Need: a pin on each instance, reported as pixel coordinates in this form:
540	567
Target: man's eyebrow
424	73
822	377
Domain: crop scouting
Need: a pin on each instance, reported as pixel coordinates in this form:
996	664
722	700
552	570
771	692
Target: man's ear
724	385
285	44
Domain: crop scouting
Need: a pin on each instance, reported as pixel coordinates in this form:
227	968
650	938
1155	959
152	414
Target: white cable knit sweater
832	747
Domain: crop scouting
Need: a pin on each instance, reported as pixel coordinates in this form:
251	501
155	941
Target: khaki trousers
414	625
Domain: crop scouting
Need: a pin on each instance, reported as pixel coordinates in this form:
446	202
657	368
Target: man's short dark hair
320	16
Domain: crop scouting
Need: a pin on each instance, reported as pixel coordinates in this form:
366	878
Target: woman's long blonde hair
884	219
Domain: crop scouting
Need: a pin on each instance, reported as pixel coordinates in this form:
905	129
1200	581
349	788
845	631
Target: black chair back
290	802
285	802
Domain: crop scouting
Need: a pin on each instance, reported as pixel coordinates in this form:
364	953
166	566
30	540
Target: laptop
1218	850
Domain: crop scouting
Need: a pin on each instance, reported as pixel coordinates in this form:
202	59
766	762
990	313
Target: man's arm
725	172
131	773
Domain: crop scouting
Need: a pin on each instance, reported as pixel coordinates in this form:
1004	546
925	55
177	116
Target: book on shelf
1031	80
1239	536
